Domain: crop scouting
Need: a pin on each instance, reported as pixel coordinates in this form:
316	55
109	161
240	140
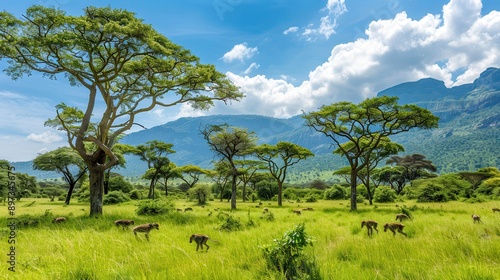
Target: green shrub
286	256
135	194
336	192
311	198
229	222
155	207
431	193
384	194
115	197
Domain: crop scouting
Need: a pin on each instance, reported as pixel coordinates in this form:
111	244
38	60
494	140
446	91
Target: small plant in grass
268	216
229	222
286	255
155	207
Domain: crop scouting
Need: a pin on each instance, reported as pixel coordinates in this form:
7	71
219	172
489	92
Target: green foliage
135	194
202	193
286	255
311	198
115	197
155	207
229	222
336	192
118	183
431	192
490	187
384	194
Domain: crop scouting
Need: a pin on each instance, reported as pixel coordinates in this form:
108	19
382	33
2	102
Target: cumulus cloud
454	47
44	137
239	52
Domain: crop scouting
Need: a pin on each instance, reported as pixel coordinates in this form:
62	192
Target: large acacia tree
124	66
230	143
365	125
279	158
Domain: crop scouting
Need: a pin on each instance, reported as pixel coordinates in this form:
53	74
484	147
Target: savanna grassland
442	242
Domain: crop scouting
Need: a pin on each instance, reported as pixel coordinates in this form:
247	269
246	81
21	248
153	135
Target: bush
431	193
336	192
135	194
115	197
311	198
155	207
384	194
229	222
286	256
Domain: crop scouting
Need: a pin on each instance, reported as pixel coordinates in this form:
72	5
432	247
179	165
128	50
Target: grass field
442	243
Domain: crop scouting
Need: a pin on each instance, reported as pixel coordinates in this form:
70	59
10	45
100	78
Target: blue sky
287	56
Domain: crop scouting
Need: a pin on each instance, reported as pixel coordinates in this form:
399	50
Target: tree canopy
120	62
365	125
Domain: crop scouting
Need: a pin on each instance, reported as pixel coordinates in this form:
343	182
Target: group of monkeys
398	227
370	225
200	239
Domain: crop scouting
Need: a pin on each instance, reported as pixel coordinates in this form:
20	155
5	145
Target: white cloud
454	47
334	9
44	137
239	52
292	29
250	68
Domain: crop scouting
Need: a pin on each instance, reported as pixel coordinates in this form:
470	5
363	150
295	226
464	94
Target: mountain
468	136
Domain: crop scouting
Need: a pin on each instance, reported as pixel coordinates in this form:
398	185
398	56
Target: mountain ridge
469	115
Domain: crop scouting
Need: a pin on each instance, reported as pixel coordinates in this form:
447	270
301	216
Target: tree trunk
70	192
96	191
244	192
354	175
280	199
233	189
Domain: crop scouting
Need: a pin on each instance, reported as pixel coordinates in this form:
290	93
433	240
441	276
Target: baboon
200	239
308	209
495	210
124	223
59	220
146	228
395	226
265	210
370	225
179	210
188	209
260	203
297	211
402	217
476	218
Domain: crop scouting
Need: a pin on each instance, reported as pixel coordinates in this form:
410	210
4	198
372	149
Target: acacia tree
246	170
220	175
365	125
62	160
415	166
120	62
279	158
155	154
193	172
370	159
229	143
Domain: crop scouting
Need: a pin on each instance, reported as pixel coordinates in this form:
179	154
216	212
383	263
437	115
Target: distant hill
468	136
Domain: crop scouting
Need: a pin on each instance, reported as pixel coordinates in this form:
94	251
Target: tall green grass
442	242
